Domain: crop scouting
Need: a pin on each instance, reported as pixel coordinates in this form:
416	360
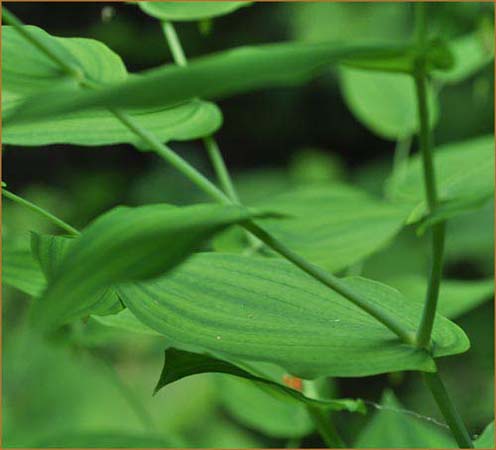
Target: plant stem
325	427
438	231
55	220
424	332
172	158
210	143
451	415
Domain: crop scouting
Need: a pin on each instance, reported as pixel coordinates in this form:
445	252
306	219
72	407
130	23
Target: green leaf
188	11
191	120
385	103
394	427
50	252
486	439
456	297
326	224
464	170
471	53
265	309
125	320
21	271
26	71
128	244
179	364
109	439
235	71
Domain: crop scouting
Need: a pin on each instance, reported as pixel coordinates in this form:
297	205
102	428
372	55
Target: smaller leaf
179	364
189	11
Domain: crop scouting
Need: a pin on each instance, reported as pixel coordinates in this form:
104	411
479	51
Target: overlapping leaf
265	309
325	224
234	71
386	103
464	170
179	364
188	11
27	70
50	251
486	439
128	244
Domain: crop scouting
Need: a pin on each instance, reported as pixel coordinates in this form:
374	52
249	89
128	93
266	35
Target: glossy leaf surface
187	11
263	309
127	244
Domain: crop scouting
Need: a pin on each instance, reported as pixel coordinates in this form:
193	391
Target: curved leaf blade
264	309
128	244
179	364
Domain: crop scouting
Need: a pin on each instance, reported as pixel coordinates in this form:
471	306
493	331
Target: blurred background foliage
94	384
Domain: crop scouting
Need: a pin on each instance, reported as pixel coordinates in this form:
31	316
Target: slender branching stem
210	143
423	338
448	409
55	220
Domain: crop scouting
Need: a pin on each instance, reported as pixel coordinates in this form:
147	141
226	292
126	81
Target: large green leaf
186	11
26	70
265	309
128	244
394	427
386	103
333	226
50	251
456	297
179	364
234	72
486	439
464	170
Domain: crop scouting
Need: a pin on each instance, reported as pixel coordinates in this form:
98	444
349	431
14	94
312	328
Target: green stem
450	413
325	427
11	19
55	220
174	44
220	168
424	332
173	159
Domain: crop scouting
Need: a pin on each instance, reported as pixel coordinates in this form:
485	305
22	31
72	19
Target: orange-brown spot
293	382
